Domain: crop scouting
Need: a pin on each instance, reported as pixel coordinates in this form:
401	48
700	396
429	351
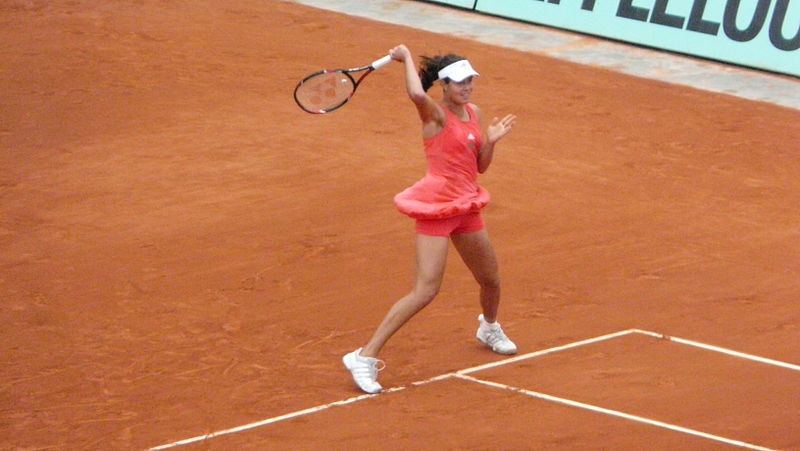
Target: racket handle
377	64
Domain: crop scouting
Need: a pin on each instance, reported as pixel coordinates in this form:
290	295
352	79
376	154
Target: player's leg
431	260
478	254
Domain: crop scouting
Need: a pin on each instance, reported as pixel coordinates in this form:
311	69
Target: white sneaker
492	335
364	370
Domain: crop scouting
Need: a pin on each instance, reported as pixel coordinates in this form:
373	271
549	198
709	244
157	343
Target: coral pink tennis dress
450	186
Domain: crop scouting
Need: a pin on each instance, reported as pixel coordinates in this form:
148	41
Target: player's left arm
496	130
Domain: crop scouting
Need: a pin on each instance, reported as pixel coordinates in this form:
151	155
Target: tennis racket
329	89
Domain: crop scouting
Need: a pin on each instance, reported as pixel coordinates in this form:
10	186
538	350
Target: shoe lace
496	335
370	369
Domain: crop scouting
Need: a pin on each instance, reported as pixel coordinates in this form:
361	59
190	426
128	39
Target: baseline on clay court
465	375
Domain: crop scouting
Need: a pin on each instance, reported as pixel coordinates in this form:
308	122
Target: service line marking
614	413
730	352
267	421
463	375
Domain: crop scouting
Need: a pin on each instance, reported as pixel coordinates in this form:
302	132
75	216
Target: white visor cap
458	71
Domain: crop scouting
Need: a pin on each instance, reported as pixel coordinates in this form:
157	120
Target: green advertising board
763	34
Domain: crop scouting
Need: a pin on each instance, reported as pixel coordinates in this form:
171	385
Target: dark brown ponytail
430	67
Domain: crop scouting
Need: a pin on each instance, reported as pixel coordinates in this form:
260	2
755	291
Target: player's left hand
500	127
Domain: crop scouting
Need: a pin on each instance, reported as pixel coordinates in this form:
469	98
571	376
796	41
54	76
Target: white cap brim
458	71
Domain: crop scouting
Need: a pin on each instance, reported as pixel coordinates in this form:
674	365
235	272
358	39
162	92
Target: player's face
459	92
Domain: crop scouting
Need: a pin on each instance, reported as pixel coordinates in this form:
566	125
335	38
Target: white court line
526	356
256	424
547	351
363	397
708	347
614	413
462	374
319	408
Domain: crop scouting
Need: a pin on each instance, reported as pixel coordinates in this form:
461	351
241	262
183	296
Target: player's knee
490	282
425	293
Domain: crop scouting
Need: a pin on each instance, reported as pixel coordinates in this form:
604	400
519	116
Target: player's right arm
430	113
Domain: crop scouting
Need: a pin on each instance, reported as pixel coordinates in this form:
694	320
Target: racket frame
377	64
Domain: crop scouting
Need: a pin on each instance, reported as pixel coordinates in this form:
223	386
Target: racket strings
325	91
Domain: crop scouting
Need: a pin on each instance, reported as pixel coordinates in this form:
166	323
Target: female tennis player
446	205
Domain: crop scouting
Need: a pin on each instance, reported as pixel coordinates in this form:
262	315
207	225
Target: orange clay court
185	252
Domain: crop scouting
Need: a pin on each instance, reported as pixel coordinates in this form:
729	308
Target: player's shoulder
477	110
